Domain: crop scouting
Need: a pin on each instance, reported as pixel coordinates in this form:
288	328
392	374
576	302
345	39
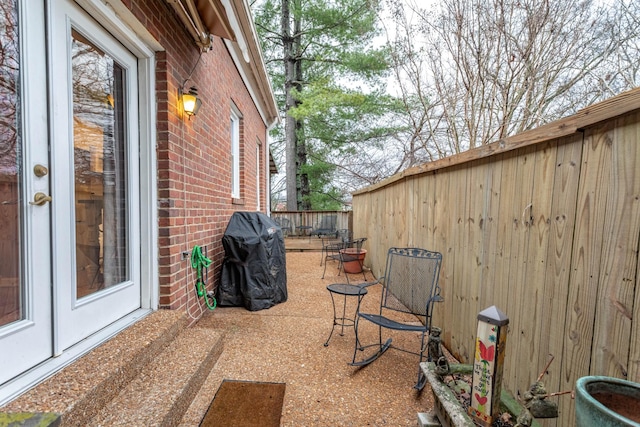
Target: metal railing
304	223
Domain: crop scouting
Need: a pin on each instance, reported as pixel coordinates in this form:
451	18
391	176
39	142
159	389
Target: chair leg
422	379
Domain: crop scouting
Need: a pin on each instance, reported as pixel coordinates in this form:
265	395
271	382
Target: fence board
458	200
413	205
533	264
587	250
556	278
517	305
503	229
472	249
489	226
634	351
427	217
442	218
619	255
399	207
374	235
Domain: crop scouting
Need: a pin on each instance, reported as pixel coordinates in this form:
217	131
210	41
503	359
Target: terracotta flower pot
353	260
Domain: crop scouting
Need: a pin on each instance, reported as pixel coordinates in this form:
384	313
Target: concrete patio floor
286	344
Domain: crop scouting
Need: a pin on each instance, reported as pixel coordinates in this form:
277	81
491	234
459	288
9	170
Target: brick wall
194	155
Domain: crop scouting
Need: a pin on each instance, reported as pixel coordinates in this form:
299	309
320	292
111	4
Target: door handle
40	199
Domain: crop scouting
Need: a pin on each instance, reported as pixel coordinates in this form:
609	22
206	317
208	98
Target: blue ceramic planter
607	402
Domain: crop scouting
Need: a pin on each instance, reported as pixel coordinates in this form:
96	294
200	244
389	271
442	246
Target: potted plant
352	259
607	402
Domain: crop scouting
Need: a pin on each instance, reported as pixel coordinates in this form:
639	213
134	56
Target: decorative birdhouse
487	367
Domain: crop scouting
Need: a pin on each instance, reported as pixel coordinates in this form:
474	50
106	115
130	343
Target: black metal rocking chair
410	286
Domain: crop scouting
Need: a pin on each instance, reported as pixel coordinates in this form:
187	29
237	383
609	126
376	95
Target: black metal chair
331	245
346	251
285	225
326	226
410	286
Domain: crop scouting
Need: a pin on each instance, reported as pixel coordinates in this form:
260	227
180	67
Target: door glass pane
11	288
99	131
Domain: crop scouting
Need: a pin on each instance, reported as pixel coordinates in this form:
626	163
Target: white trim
268	177
27	340
247	82
117	19
143	46
122	24
148	185
77	319
234	132
259	167
235	26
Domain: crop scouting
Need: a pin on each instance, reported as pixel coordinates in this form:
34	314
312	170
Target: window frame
235	118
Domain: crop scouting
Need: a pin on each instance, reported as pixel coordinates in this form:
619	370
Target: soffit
203	18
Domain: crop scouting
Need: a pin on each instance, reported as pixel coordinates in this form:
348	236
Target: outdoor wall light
190	102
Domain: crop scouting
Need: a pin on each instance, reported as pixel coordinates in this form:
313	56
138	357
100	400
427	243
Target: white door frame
116	18
28	341
121	23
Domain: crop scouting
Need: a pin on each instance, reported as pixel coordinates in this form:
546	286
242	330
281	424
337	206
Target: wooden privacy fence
545	225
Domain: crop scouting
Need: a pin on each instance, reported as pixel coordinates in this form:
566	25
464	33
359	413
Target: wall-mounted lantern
190	102
491	340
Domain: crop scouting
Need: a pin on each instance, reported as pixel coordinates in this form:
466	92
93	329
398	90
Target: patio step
162	392
146	375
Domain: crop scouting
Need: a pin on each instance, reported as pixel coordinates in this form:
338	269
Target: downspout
268	169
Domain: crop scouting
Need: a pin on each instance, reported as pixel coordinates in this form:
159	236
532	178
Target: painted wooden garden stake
487	366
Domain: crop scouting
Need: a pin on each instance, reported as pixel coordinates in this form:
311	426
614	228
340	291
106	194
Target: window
235	153
258	168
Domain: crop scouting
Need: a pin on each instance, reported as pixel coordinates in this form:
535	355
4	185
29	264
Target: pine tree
327	77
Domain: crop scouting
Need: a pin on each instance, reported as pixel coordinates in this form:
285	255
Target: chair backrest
357	243
345	235
411	280
328	222
284	223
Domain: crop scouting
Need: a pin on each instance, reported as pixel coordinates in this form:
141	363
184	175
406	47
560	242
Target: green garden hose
199	262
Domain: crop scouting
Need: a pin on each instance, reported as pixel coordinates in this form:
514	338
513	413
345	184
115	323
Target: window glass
235	154
99	129
11	286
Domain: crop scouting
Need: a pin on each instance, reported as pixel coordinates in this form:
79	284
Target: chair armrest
367	284
436	298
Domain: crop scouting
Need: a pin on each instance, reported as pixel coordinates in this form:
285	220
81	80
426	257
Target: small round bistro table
345	290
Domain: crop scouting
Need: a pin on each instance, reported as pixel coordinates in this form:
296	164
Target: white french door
69	184
25	234
95	176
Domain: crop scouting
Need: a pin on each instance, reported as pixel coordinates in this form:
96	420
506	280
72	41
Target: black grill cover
254	269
